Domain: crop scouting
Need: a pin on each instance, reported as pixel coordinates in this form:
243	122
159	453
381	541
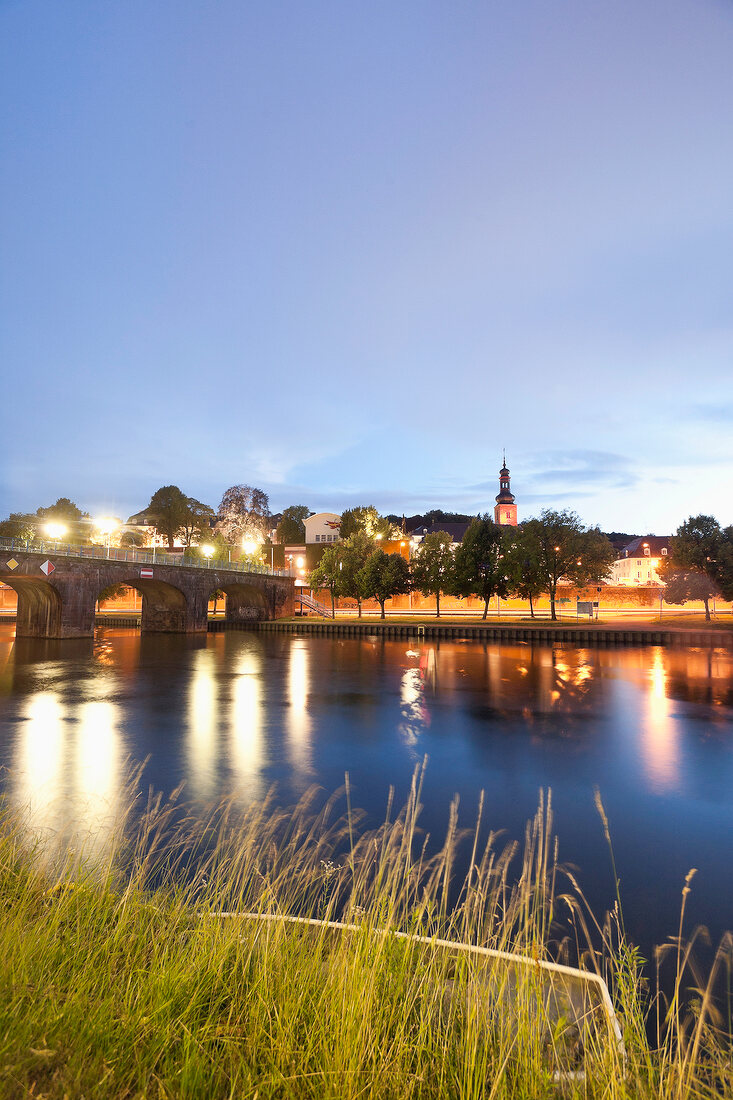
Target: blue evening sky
348	251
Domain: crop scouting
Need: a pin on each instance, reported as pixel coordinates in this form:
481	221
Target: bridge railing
143	557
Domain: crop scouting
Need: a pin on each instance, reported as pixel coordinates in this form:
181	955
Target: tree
384	576
63	509
355	552
366	519
523	566
243	514
433	566
682	585
724	568
196	526
564	548
700	561
132	539
479	565
327	574
291	527
18	526
169	508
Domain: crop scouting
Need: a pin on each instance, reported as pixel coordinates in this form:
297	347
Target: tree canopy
354	554
383	576
243	514
168	507
564	548
366	519
479	566
433	566
291	527
327	574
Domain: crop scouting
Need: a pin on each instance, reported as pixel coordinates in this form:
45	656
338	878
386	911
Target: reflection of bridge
57	588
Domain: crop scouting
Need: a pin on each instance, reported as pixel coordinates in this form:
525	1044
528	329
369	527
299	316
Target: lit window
664	551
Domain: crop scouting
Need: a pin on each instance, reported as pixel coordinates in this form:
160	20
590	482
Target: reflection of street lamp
55	531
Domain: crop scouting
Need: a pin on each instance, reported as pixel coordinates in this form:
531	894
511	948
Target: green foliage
367	520
700	545
562	547
18	526
132	539
63	509
682	585
354	554
480	568
433	567
112	592
291	528
168	509
523	564
114	989
327	574
196	526
383	576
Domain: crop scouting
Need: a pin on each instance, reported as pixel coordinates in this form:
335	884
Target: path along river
239	712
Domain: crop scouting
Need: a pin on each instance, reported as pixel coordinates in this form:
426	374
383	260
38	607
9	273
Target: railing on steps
314	605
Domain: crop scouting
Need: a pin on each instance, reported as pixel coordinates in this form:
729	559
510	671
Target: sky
349	252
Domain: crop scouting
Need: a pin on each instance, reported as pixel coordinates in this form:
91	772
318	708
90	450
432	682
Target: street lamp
55	531
207	551
249	546
106	525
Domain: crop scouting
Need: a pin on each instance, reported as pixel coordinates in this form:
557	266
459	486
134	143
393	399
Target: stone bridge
57	591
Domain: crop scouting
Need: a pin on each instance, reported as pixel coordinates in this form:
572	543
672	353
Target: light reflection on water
235	713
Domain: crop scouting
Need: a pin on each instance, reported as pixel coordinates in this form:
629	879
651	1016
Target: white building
322	527
638	561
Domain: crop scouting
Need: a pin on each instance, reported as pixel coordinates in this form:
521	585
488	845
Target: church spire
505	512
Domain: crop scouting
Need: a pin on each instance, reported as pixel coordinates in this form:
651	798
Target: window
318	538
664	551
647	552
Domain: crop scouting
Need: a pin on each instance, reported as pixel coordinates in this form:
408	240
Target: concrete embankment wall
496	633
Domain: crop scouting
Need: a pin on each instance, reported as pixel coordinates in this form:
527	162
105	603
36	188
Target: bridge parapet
57	592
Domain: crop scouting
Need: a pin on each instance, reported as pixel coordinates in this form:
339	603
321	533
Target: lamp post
55	531
106	525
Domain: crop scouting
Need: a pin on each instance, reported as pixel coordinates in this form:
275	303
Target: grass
127	983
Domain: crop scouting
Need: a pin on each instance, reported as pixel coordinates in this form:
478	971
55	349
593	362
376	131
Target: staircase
314	605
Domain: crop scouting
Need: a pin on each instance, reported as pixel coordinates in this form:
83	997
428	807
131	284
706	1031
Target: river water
235	713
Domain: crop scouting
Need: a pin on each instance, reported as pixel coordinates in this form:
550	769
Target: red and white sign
48	568
146	572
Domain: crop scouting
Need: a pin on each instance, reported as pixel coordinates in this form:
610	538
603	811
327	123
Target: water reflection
237	713
659	742
247	751
202	725
299	719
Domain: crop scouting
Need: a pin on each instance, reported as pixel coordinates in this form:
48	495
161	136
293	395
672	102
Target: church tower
505	511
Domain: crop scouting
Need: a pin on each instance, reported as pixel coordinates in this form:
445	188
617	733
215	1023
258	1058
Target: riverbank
541	631
116	988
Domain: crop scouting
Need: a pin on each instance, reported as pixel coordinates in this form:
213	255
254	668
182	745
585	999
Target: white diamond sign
48	568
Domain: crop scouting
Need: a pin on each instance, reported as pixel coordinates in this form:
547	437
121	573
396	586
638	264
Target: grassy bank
130	984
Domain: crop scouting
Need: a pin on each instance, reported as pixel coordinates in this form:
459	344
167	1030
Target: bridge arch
164	605
245	602
39	607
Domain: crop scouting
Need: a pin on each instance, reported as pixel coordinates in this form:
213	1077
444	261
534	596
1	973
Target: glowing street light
249	546
300	562
55	531
207	551
106	525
